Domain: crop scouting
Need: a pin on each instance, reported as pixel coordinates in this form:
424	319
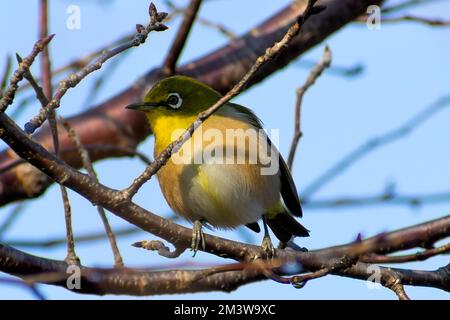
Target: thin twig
11	218
343	71
173	147
8	96
163	250
31	287
87	164
410	18
217	26
424	20
57	241
178	44
46	72
127	151
74	79
375	143
203	21
387	198
6	72
315	73
406	5
418	256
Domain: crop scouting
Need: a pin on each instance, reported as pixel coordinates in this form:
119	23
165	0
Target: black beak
142	106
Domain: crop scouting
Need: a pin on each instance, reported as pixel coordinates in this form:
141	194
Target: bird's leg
267	243
197	236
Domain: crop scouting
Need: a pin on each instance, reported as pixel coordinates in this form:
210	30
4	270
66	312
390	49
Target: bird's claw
197	237
268	247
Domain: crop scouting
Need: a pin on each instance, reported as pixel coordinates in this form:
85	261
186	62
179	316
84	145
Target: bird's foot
198	237
268	247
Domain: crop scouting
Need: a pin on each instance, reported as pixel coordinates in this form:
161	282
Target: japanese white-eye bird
223	194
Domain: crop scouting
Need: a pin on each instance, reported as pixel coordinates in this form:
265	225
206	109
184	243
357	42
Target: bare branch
6	72
74	79
205	22
315	73
87	164
406	5
375	143
388	198
179	42
419	256
8	96
11	218
162	249
410	18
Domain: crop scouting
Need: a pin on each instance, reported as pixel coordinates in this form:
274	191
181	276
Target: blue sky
406	69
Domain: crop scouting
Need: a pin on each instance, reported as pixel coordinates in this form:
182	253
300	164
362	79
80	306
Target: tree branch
315	73
178	44
74	79
221	69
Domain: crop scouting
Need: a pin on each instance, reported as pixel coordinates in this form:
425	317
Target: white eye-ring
174	100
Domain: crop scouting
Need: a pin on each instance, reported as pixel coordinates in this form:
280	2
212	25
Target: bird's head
176	97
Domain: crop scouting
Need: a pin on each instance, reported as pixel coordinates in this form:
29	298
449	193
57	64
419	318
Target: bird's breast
205	179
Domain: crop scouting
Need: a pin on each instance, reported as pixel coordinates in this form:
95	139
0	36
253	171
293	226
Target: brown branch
73	80
220	69
315	73
228	277
179	42
43	95
205	22
269	54
161	248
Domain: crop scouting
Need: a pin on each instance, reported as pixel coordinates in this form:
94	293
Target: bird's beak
142	106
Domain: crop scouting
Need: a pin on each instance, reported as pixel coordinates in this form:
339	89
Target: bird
228	189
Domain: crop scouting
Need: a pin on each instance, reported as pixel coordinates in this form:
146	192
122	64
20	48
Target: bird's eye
174	100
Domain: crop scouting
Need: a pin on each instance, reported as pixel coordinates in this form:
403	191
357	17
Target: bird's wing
288	189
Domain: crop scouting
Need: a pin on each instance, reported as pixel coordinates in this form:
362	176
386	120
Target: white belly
226	197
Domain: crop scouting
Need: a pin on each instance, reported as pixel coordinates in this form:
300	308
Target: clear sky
406	68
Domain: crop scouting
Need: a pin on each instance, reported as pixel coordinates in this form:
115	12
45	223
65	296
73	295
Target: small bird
223	194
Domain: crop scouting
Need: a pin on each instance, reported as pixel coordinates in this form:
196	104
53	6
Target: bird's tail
284	226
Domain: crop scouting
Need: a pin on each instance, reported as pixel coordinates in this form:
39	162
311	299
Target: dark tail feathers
284	226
